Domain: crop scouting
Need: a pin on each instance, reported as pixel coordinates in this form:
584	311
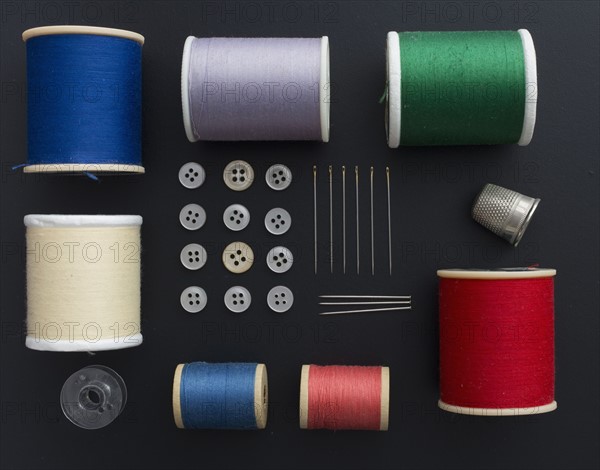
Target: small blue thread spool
220	396
84	100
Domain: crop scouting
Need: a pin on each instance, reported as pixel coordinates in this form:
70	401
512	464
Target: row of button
238	258
238	176
236	218
237	299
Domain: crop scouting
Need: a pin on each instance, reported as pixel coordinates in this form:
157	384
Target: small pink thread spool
345	397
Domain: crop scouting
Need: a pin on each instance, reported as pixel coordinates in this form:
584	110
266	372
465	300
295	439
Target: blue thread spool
84	100
220	396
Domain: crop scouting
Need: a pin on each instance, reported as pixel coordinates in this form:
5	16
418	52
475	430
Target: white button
193	256
236	217
278	221
238	257
278	177
193	299
280	299
237	299
238	175
192	175
192	217
280	259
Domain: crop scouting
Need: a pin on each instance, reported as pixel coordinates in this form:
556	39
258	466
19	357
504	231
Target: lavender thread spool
236	89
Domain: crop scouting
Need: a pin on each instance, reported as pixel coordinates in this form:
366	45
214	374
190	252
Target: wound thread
497	341
220	396
461	88
84	87
236	89
344	397
83	282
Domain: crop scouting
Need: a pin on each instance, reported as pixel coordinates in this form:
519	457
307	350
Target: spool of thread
220	396
497	341
345	397
83	282
461	88
237	89
84	87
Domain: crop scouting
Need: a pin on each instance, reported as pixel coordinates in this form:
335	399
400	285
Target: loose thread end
385	94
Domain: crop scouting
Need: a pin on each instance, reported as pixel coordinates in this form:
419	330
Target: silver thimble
504	212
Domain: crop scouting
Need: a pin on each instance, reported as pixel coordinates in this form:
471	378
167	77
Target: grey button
237	299
238	175
192	217
280	299
236	217
192	175
278	221
193	256
280	259
193	299
278	177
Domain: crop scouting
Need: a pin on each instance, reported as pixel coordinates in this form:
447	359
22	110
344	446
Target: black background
432	192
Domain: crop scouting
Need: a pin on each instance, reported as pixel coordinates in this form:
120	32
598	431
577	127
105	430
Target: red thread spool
497	341
345	397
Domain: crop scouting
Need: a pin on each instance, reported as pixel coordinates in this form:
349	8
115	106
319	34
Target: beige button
238	175
238	257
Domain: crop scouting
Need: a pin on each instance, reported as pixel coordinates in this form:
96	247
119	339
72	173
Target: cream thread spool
83	282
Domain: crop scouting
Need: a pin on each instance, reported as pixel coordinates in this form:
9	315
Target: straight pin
331	217
393	302
397	297
389	209
366	311
357	225
372	229
315	214
344	216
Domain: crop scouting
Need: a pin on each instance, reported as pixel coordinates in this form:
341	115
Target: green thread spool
461	88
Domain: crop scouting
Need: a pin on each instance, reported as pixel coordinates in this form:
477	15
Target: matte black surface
433	189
